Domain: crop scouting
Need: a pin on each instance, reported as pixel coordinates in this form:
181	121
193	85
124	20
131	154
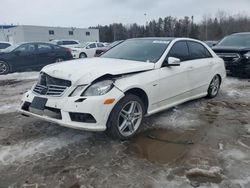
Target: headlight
99	88
77	90
247	55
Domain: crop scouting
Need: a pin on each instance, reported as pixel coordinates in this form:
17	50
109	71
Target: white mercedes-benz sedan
114	92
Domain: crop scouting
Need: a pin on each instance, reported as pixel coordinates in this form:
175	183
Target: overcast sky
85	13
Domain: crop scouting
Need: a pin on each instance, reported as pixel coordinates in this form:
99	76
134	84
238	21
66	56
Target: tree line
209	28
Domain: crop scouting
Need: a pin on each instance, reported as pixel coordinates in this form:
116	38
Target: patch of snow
24	151
247	127
234	93
8	108
221	146
10	95
235	154
244	183
178	119
20	76
233	87
214	171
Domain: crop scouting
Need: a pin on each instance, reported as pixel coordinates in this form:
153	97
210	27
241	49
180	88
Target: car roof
3	42
155	38
37	43
242	33
66	40
171	39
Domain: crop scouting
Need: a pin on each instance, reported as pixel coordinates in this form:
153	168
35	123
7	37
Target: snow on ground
34	152
22	152
20	76
235	87
12	88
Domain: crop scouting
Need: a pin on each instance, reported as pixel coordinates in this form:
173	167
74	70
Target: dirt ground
202	143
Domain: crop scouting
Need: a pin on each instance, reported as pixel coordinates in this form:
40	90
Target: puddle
162	145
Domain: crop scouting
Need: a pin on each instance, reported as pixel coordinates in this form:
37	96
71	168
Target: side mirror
172	61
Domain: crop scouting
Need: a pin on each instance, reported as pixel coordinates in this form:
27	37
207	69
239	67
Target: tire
4	68
126	117
82	55
59	59
214	87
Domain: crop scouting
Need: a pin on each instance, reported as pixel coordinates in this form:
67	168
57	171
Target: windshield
145	50
82	45
115	43
10	48
236	40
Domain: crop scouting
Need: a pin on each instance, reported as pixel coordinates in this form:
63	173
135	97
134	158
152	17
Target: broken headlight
99	88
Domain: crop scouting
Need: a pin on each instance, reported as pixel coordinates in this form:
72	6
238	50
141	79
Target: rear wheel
126	117
4	68
214	87
82	55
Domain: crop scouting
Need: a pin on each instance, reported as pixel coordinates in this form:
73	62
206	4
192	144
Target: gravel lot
203	143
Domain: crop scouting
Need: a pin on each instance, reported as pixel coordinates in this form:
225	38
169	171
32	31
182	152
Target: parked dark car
235	50
31	56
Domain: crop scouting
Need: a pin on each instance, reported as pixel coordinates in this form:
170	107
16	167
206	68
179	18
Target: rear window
44	47
69	42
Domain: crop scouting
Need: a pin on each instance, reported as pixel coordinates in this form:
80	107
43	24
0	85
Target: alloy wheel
215	85
130	118
3	68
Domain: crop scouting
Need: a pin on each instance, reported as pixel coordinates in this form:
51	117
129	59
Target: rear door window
100	45
44	48
198	51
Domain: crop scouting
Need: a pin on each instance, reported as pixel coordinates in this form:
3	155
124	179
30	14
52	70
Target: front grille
230	57
50	90
51	86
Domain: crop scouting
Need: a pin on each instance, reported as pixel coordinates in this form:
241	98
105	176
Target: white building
27	33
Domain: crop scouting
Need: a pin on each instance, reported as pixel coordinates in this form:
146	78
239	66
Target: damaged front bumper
85	113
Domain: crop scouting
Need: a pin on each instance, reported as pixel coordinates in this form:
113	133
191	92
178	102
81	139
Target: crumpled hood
84	71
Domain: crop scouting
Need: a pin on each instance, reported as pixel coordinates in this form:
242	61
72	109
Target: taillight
69	50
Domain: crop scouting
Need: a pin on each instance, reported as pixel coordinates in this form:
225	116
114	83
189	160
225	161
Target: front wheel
4	68
214	87
126	117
